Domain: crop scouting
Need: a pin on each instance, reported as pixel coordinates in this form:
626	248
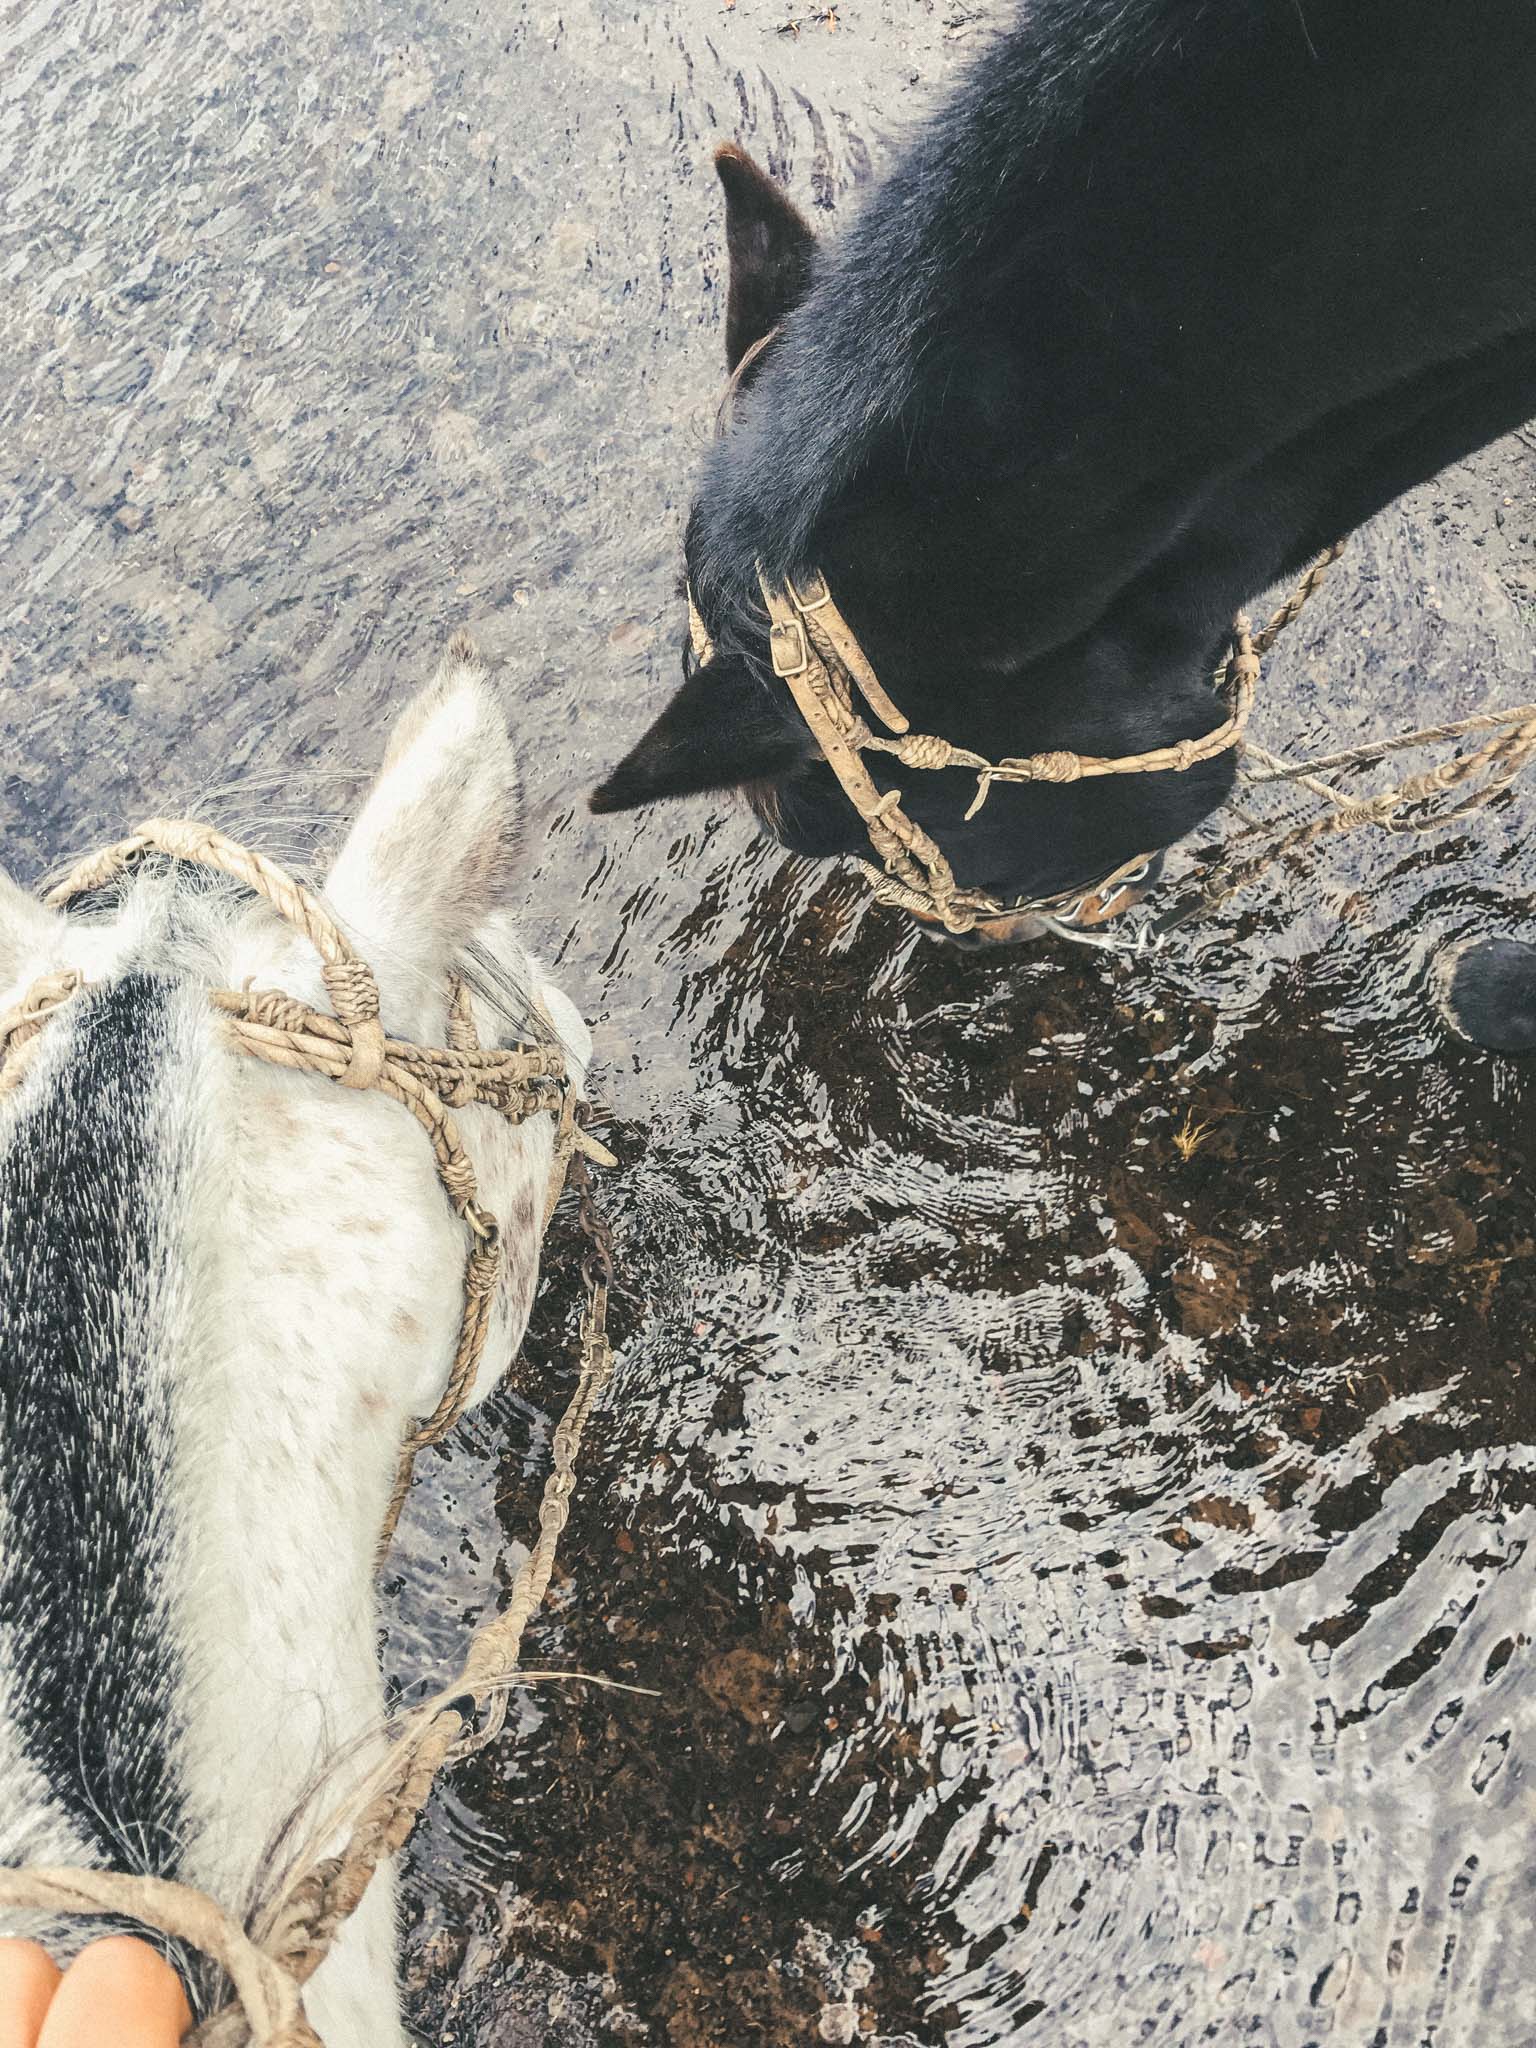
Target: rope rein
1498	761
269	1962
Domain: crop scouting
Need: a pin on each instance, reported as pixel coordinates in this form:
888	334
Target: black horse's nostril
1487	993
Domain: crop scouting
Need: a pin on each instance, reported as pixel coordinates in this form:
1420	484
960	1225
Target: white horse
225	1292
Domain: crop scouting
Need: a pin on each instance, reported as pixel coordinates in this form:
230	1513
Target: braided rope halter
817	656
815	653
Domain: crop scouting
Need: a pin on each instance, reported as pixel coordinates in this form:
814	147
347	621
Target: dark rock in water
1488	993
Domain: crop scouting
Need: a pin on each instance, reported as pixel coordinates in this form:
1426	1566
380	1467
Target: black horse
1168	296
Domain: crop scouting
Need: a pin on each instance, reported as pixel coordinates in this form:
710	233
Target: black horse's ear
770	245
720	730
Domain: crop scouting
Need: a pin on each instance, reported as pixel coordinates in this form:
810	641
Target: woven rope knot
462	1035
21	1026
277	1011
354	997
352	989
483	1271
1245	669
46	995
516	1100
459	1091
553	1512
923	750
1055	767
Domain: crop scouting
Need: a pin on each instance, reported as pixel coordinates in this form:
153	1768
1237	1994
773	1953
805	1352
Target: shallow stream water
1070	1484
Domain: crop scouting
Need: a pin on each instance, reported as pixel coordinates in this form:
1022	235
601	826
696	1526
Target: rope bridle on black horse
817	656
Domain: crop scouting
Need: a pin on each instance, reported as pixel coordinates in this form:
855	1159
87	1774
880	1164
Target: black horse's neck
1162	302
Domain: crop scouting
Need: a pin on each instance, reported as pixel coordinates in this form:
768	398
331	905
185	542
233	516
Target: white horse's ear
28	932
433	852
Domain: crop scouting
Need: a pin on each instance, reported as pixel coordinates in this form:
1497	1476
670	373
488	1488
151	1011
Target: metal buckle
783	636
1116	940
822	594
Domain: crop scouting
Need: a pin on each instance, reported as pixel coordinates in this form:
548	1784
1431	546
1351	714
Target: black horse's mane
864	356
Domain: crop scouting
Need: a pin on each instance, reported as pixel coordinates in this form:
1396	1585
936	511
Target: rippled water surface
1069	1487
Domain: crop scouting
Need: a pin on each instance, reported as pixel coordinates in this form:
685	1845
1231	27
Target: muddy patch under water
1067	1495
1083	1576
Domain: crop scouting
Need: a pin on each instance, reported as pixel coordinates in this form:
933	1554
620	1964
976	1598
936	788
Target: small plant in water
1190	1136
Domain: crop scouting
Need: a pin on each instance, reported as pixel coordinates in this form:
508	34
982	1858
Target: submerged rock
1487	993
